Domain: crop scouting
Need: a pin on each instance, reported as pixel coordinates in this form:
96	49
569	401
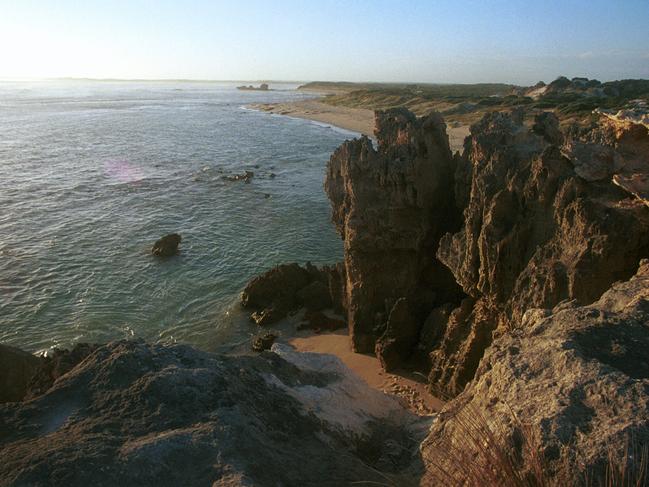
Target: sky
436	41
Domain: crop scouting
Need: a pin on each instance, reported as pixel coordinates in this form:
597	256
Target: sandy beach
411	392
359	120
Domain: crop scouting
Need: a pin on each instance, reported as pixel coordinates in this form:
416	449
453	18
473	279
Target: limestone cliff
525	217
391	205
562	400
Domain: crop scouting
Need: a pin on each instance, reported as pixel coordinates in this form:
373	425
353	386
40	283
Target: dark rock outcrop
571	384
287	287
319	322
263	342
17	369
137	414
167	245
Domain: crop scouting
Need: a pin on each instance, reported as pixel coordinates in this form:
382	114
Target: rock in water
288	287
263	342
167	245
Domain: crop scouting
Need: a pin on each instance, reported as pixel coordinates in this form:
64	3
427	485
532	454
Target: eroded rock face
573	381
525	217
137	414
391	206
542	223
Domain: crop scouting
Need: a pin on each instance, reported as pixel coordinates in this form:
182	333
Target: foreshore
359	120
412	393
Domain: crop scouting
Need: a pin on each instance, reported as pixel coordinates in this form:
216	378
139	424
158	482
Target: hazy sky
363	40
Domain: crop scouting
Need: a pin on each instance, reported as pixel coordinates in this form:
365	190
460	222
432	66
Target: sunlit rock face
526	217
565	391
132	413
391	205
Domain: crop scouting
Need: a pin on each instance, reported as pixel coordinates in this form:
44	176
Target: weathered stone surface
539	228
288	287
167	245
17	368
390	206
137	414
395	347
319	322
315	296
573	381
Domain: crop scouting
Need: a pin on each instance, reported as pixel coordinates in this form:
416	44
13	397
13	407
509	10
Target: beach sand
410	390
359	120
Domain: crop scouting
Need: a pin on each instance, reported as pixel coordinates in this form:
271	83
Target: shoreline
356	120
410	392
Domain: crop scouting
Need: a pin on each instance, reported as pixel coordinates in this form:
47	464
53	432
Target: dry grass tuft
481	455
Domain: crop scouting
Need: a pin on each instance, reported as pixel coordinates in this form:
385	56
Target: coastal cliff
443	251
515	275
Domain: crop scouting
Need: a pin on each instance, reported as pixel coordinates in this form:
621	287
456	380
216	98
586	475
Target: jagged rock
17	368
167	245
546	124
288	287
55	364
573	383
137	414
263	342
390	206
536	231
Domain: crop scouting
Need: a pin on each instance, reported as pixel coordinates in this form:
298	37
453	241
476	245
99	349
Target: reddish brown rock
557	397
391	206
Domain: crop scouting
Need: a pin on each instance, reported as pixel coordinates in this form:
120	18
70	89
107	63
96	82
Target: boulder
167	245
287	287
263	342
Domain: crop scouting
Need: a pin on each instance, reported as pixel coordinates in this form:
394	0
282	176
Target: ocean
92	173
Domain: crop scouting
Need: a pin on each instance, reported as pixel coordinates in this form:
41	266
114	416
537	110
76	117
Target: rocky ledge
131	413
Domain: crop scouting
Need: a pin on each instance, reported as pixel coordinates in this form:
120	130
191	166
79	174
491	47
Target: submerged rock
137	414
167	245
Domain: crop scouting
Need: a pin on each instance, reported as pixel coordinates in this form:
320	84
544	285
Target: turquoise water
92	173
